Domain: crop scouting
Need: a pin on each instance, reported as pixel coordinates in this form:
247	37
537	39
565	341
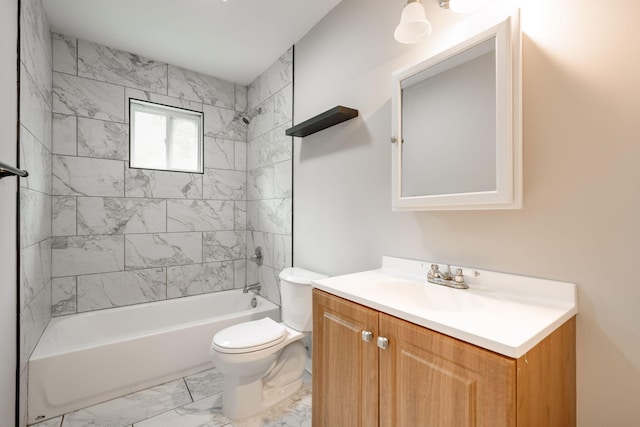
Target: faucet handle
257	256
459	277
434	272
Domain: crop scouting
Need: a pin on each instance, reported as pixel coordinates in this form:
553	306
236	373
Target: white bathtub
87	358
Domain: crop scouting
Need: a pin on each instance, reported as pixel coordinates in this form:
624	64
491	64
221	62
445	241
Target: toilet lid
249	336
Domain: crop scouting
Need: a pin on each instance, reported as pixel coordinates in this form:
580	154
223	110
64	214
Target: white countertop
505	313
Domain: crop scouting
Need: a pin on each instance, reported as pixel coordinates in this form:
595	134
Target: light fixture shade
467	6
413	26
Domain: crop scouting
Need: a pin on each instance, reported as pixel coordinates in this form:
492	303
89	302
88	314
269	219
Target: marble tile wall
35	191
269	174
124	236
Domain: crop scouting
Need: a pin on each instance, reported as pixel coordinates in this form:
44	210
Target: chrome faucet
255	287
447	278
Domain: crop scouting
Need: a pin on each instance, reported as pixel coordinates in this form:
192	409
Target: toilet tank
295	292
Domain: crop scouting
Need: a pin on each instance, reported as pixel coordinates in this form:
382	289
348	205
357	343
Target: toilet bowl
262	361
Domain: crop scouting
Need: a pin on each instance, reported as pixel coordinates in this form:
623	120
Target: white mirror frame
508	193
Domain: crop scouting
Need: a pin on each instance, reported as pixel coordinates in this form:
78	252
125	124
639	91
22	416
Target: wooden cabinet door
430	380
345	368
547	381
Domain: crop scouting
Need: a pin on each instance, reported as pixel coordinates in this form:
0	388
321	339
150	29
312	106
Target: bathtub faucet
255	287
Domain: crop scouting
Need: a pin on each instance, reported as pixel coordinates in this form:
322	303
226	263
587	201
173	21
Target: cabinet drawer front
345	366
429	379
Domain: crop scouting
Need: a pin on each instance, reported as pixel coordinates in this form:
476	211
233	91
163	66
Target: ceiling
235	40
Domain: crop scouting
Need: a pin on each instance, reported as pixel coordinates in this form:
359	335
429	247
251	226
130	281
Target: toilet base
242	400
274	396
253	399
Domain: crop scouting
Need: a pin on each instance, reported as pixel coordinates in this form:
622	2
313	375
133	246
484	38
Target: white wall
8	226
579	222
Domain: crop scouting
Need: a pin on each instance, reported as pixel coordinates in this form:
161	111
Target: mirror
457	126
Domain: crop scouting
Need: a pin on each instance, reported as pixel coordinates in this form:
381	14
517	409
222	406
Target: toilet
262	361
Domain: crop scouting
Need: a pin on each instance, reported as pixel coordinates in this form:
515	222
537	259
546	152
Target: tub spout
255	287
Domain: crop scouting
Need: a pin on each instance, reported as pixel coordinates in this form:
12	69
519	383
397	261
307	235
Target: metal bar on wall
6	170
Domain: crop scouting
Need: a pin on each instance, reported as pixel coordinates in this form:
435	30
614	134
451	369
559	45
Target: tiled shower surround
35	191
123	236
269	176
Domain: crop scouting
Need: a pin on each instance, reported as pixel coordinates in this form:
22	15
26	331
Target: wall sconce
414	27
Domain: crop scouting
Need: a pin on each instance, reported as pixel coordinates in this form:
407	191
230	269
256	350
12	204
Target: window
165	138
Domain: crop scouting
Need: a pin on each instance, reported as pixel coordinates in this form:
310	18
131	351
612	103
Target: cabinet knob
367	336
383	343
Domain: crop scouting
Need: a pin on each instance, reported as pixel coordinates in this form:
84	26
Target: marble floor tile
132	408
206	383
201	413
193	401
53	422
206	412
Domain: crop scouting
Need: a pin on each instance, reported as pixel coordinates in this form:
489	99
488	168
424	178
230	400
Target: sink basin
427	296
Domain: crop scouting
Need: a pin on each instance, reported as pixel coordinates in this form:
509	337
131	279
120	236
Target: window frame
169	111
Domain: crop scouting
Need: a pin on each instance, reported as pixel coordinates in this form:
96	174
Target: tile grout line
184	379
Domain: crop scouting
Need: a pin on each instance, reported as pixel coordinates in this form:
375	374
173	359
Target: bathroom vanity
390	349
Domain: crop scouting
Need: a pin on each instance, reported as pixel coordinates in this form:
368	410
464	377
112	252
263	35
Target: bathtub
87	358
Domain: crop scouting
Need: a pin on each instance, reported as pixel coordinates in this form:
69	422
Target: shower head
247	119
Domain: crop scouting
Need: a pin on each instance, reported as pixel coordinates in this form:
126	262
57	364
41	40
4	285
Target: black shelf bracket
322	121
6	170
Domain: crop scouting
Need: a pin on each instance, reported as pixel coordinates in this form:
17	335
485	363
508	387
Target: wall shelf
322	121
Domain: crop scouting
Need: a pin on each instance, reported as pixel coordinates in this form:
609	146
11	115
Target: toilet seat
249	336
